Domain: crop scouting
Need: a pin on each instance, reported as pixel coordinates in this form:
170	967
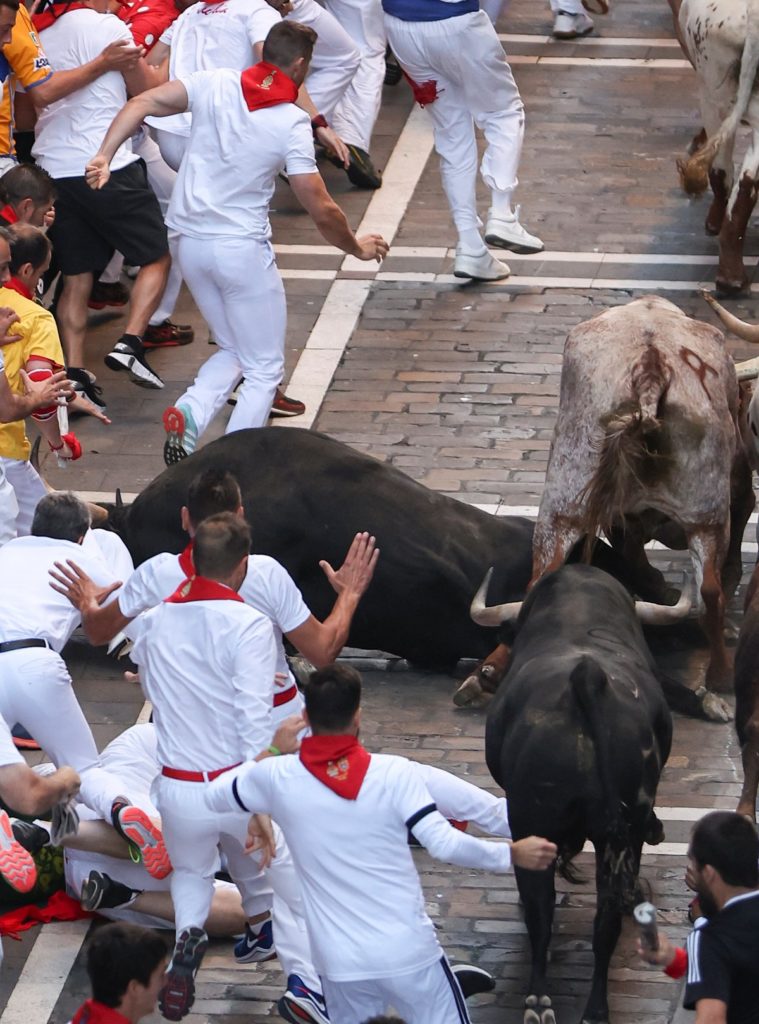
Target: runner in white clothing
220	208
372	941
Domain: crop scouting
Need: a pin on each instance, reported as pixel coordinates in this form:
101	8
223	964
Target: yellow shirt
22	62
39	337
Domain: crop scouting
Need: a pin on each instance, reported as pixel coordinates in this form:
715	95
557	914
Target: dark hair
13	4
211	492
28	245
728	842
120	953
332	695
27	181
287	41
220	544
62	516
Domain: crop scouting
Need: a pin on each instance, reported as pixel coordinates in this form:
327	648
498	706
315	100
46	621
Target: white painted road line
590	41
45	972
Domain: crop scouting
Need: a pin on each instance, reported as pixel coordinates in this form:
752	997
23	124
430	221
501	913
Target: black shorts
91	224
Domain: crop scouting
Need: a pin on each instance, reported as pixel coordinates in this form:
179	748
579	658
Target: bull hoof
713	707
470	692
731	630
729	287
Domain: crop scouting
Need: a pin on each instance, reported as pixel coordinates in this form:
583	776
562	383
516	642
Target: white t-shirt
229	195
69	132
207	667
363	901
267	587
209	36
29	607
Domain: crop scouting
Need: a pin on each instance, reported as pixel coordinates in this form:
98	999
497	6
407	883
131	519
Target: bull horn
496	614
749	332
664	614
98	514
119	499
34	454
748	369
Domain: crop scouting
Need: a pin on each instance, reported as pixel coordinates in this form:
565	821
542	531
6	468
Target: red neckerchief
265	85
198	588
49	17
186	563
13	284
93	1012
340	762
9	214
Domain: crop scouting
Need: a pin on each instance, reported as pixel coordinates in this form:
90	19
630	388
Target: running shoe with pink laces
135	826
17	865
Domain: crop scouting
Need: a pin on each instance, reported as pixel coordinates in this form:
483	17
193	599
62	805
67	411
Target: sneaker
361	171
135	826
181	434
84	384
32	837
17	865
283	405
473	980
178	993
108	294
483	267
393	73
301	1004
22	740
125	355
167	335
509	234
101	892
256	948
570	26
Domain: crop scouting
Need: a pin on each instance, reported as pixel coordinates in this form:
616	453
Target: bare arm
101	622
29	793
328	137
312	194
38	394
145	75
166	99
711	1011
118	56
321	642
159	53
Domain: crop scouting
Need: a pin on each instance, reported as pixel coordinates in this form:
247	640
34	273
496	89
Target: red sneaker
16	864
167	335
283	405
113	294
136	827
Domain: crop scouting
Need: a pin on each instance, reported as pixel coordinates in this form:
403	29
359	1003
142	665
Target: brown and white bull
722	41
648	444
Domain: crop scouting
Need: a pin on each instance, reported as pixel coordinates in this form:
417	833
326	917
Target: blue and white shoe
181	434
301	1004
256	948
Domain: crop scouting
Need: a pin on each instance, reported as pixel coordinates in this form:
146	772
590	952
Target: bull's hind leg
708	549
538	895
731	276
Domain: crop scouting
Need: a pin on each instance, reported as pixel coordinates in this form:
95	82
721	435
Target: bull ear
119	499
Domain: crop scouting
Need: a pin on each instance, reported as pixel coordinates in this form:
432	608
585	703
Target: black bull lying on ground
577	735
307	495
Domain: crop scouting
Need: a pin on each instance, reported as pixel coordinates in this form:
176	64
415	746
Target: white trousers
161	179
36	692
430	995
356	113
335	60
8	508
193	835
567	6
29	489
494	8
238	290
464	57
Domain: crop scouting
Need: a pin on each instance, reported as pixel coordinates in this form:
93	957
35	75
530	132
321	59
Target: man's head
8	11
220	549
126	966
723	855
333	696
211	492
289	46
30	191
62	516
30	254
5	252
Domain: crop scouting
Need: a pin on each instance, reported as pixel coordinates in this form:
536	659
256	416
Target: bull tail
632	450
588	683
694	173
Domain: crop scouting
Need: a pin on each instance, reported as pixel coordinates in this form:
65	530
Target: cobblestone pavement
458	387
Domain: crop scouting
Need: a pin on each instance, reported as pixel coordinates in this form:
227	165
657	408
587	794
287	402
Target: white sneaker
508	233
483	267
570	26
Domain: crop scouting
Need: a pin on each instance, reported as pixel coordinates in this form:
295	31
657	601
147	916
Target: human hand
8	317
82	591
286	737
121	55
372	247
533	853
69	782
48	391
357	570
97	172
81	403
329	138
261	840
661	956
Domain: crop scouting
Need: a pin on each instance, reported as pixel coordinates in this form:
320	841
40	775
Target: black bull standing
577	735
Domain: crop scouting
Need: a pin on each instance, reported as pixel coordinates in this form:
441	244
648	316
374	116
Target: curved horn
495	615
98	514
119	499
749	332
34	454
665	614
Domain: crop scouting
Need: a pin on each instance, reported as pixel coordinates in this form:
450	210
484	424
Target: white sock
470	241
